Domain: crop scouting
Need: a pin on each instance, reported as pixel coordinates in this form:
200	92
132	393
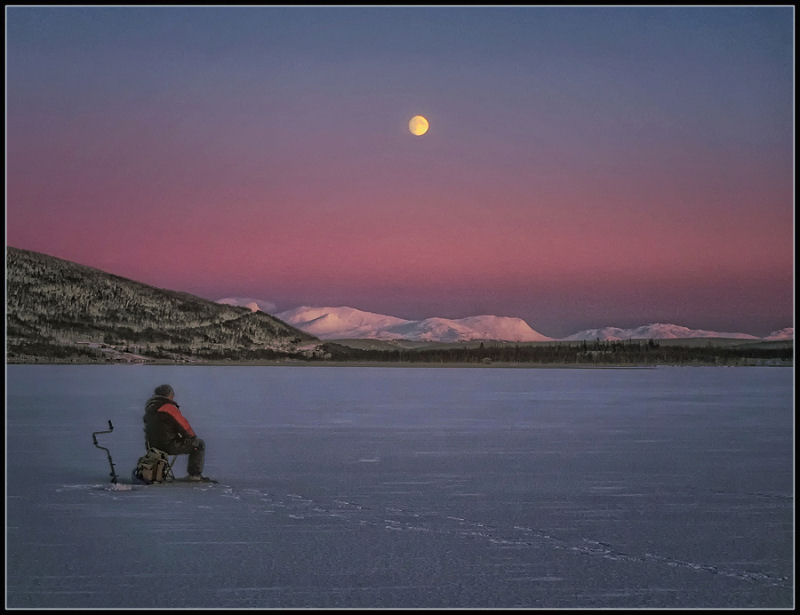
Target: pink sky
617	180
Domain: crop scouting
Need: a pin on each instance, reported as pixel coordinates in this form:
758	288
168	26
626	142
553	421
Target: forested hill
63	311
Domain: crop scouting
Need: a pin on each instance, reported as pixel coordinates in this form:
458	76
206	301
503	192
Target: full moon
418	125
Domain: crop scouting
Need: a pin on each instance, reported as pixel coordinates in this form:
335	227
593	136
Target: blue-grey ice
346	487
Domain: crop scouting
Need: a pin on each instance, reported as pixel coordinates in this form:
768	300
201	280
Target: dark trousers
195	448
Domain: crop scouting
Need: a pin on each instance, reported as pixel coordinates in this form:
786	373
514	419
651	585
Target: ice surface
392	487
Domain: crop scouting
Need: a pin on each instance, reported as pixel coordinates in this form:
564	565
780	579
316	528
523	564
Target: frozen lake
406	487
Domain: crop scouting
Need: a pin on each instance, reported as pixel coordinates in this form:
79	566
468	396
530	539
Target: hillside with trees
57	310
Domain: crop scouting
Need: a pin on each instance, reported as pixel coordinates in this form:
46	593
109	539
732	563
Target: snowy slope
347	322
479	327
782	334
340	322
255	305
651	331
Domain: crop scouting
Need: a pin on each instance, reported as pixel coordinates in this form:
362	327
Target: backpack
152	467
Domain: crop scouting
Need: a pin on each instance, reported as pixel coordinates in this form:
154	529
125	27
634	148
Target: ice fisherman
167	429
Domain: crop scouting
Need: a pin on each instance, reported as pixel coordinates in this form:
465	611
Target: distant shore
412	364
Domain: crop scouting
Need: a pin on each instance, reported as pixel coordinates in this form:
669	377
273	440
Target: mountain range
350	323
60	311
344	322
663	331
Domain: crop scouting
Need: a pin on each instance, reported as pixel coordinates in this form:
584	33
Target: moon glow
418	125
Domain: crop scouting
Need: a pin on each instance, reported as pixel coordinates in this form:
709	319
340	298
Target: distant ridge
346	322
341	322
781	334
350	323
60	310
656	331
254	305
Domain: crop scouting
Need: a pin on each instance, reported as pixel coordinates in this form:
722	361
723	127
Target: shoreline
408	364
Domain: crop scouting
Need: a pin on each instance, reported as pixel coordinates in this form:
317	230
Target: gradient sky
584	167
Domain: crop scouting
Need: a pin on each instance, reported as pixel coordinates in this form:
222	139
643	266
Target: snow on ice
406	487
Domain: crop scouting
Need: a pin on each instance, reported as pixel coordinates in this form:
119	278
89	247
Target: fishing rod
111	463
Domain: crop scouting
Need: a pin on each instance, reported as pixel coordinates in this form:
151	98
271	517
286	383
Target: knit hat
164	390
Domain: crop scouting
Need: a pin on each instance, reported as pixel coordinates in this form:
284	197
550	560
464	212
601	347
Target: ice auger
108	454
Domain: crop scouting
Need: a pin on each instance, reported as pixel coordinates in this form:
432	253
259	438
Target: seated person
167	429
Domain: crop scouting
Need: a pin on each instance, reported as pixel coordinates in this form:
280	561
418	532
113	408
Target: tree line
628	352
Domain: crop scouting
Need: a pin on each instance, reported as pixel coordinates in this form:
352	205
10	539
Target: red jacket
164	423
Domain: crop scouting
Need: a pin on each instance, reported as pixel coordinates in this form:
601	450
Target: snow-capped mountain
347	323
340	322
659	331
255	305
782	334
350	323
